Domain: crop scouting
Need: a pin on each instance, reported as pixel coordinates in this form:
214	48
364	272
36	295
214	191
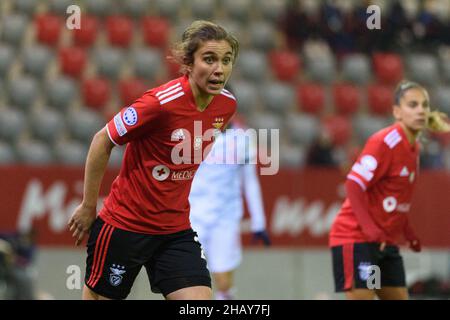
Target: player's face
412	110
213	62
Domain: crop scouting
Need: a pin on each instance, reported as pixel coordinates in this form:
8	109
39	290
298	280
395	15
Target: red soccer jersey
386	169
150	194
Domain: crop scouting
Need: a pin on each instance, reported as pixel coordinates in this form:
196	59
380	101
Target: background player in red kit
145	218
374	217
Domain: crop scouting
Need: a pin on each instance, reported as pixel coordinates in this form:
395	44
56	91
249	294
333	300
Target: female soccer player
145	218
374	216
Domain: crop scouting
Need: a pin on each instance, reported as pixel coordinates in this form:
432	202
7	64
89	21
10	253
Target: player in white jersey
216	200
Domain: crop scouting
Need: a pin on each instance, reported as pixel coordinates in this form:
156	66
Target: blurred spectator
321	152
432	156
17	251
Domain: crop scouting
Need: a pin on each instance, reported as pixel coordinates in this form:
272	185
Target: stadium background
309	68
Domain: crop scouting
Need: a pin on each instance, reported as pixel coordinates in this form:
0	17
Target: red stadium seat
311	97
48	28
380	99
155	31
96	92
87	34
285	65
346	98
72	61
339	129
120	30
130	90
388	67
172	67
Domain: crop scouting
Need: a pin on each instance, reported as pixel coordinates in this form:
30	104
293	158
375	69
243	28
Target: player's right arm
372	164
96	163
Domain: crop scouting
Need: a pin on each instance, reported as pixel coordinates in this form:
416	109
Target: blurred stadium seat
96	92
12	124
441	99
339	129
168	8
26	6
202	9
135	8
120	30
321	69
388	67
356	68
61	92
238	9
48	28
59	6
365	125
130	90
252	65
272	10
34	153
423	68
23	92
36	60
302	128
380	99
99	8
46	125
277	97
86	35
346	98
285	65
262	35
109	61
246	94
265	120
7	154
83	124
156	31
147	63
72	61
70	152
311	97
7	56
13	28
292	156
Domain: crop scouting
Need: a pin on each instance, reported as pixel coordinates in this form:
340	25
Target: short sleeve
372	164
133	122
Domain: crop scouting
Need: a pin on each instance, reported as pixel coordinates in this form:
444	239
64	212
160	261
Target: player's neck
410	134
201	98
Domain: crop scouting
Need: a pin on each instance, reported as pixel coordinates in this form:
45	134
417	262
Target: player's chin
214	90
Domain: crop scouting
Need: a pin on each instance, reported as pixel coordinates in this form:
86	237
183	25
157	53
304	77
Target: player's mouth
216	83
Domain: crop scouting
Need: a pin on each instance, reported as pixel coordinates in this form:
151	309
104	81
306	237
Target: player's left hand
413	240
415	245
263	236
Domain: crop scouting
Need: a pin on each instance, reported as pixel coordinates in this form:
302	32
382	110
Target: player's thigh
360	294
393	293
178	264
191	293
224	247
112	262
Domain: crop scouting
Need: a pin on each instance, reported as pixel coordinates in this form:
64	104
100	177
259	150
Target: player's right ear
396	112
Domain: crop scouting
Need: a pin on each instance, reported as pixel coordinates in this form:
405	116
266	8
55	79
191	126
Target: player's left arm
253	195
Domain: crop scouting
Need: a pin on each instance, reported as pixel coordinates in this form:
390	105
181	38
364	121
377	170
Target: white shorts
221	243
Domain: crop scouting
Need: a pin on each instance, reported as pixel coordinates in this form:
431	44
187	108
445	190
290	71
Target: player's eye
226	60
208	59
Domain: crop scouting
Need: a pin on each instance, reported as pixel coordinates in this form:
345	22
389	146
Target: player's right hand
375	235
81	221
